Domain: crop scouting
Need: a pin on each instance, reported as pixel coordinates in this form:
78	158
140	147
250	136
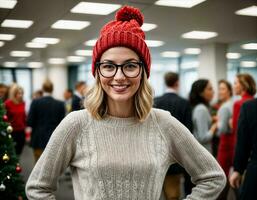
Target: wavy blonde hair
14	89
96	101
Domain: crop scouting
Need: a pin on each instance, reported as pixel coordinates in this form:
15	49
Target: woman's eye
108	66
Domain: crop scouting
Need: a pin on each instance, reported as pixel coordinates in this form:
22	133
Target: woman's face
224	93
238	89
208	92
19	96
120	89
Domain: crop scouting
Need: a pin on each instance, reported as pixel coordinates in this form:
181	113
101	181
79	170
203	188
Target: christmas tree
11	183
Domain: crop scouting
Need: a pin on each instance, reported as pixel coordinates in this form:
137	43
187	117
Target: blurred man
44	115
78	96
180	109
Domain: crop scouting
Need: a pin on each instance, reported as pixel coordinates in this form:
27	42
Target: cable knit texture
122	159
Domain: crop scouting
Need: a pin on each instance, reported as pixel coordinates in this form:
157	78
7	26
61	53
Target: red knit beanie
125	31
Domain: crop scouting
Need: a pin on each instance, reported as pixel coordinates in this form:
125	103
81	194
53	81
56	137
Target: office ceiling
211	15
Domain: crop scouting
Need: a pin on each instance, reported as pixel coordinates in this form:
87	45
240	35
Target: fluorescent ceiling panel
8	4
179	3
192	51
248	64
76	59
1	43
233	55
201	35
90	43
170	54
7	37
35	45
84	52
21	53
56	61
148	27
95	8
154	43
46	40
250	46
15	23
250	11
35	64
70	24
10	64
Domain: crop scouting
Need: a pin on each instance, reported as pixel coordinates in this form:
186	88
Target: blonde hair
14	89
96	101
247	82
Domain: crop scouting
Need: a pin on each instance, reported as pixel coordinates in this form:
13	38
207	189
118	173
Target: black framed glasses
129	69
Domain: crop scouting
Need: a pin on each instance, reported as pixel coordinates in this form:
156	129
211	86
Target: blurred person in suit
15	108
246	152
44	115
78	95
179	108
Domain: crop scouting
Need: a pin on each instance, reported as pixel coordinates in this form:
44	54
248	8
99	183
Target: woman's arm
54	160
201	118
223	121
206	173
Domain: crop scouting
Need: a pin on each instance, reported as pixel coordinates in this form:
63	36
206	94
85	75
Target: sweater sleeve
206	173
201	118
55	159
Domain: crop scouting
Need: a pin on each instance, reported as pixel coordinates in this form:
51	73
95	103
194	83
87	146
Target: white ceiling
211	15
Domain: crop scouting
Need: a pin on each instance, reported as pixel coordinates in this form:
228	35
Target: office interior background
210	38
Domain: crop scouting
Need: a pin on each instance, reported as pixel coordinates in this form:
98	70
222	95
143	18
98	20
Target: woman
15	107
200	96
226	141
119	147
226	144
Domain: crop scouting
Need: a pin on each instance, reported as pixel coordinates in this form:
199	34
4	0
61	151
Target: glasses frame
140	63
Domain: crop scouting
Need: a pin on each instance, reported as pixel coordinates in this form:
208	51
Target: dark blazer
44	116
246	148
179	108
77	103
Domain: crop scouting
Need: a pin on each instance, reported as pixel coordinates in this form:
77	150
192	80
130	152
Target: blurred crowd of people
225	128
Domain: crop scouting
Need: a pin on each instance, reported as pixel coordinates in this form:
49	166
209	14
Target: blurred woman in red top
244	86
15	107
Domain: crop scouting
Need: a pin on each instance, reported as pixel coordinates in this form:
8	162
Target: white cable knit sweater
123	159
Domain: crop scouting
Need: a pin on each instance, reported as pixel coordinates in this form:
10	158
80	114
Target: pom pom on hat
128	13
125	31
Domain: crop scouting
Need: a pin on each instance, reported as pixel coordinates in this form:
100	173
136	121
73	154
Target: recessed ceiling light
154	43
170	54
84	52
56	61
70	24
35	45
15	23
201	35
9	4
90	43
148	27
248	64
250	46
21	53
10	64
233	55
76	59
95	8
1	43
46	40
7	37
193	51
179	3
250	11
35	64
